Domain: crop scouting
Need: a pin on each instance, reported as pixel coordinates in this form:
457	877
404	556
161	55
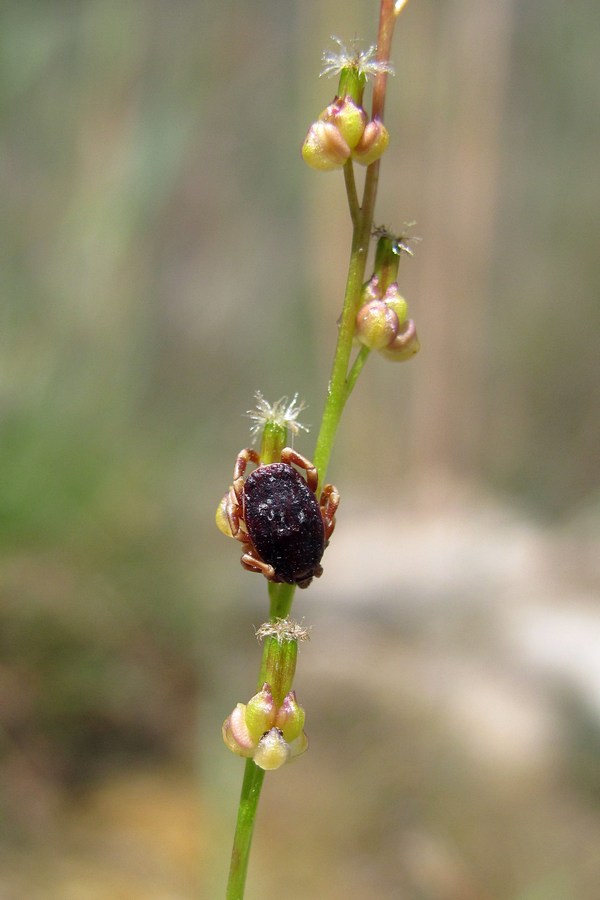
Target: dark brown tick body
284	521
275	513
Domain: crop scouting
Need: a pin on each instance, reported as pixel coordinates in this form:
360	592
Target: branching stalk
342	381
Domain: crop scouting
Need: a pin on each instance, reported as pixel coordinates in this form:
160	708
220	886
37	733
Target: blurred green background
164	254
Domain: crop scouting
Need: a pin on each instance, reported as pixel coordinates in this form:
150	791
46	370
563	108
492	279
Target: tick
276	515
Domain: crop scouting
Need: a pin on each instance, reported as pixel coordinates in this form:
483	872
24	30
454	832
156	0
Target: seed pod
260	711
372	144
376	325
349	118
324	147
405	344
273	751
394	299
290	718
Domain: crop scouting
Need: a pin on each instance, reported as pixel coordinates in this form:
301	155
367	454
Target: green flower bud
405	345
349	118
260	713
376	325
221	517
324	147
372	144
394	299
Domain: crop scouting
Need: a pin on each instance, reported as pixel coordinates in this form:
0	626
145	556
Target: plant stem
281	597
336	394
357	367
253	779
387	20
342	382
343	379
351	192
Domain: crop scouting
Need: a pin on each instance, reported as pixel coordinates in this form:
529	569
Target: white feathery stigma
283	413
364	61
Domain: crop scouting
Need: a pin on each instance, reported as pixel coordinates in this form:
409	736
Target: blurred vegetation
163	254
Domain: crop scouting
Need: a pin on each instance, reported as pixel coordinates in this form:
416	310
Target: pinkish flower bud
372	144
324	147
236	734
349	118
290	717
405	344
376	325
371	290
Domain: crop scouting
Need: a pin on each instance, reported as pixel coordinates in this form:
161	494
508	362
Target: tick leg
312	476
243	458
330	500
252	564
234	517
318	571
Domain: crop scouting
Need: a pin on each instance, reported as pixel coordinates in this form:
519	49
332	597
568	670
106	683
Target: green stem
356	369
336	394
351	192
343	379
253	779
281	597
342	382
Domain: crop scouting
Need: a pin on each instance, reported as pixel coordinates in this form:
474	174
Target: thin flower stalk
343	378
334	141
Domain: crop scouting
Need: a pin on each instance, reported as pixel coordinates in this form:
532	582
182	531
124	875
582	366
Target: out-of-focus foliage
545	403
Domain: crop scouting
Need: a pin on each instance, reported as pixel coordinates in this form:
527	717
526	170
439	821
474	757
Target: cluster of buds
343	130
269	729
271	735
382	321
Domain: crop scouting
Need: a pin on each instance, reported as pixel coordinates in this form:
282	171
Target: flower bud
324	147
371	290
272	751
260	712
236	734
372	144
268	734
349	118
405	344
376	325
394	299
221	517
290	718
